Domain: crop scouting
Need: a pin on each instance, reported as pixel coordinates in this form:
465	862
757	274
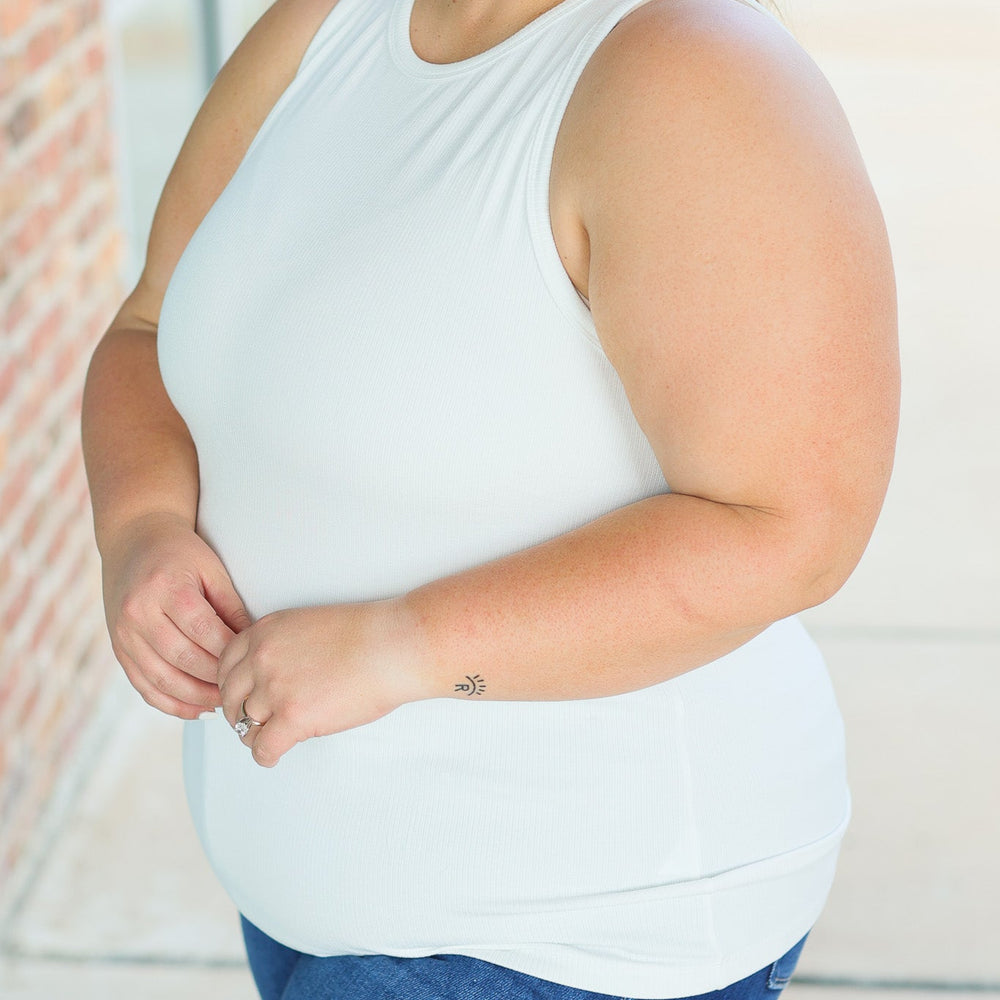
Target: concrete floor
912	641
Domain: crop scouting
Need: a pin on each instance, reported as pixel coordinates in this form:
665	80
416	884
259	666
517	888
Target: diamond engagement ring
243	726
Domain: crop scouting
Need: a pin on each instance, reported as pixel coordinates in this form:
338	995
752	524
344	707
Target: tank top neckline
409	62
407	59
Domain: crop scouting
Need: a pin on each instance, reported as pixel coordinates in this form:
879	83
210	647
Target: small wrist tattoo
475	685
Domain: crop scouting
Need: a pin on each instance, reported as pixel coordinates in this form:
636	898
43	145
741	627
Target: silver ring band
243	726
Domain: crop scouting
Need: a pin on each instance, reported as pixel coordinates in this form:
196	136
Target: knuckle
158	680
241	618
183	596
185	657
159	580
121	637
201	626
268	651
131	609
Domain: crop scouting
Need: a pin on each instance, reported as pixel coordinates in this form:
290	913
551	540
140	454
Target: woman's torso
389	377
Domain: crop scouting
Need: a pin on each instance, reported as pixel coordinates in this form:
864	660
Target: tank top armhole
325	31
334	18
558	282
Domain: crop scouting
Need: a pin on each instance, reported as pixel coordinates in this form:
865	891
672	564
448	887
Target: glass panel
236	18
158	64
162	72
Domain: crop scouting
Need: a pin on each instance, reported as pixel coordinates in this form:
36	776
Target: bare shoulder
239	99
694	97
735	258
670	63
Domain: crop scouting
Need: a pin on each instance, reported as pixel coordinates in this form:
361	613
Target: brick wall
60	258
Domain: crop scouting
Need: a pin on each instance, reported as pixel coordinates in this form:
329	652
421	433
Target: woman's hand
170	608
315	671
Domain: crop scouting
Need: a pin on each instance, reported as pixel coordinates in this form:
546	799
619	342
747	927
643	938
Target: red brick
69	23
14	14
70	169
14	489
83	504
95	57
91	221
45	333
23	121
9	681
32	231
29	409
31	524
27	706
8	376
57	545
59	266
59	88
6	571
14	68
41	634
79	129
49	158
65	361
14	193
42	46
53	721
71	468
72	184
70	737
20	304
12	613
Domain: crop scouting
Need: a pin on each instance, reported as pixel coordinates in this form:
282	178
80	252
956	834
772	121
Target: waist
447	819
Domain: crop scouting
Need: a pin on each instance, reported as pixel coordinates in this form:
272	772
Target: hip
488	824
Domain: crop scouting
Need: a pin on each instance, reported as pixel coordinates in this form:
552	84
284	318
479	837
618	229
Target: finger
171	681
194	616
251	735
222	596
175	646
237	686
272	741
235	650
155	698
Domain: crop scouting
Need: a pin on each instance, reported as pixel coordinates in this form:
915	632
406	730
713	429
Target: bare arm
169	602
741	284
139	455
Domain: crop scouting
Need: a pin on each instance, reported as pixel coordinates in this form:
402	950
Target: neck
444	31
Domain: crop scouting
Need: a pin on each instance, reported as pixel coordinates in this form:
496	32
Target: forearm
631	599
137	450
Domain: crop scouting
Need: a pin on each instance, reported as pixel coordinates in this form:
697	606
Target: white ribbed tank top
389	377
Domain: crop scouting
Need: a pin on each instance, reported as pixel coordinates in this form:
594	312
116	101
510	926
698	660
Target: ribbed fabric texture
389	377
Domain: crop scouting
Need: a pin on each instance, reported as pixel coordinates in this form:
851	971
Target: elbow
823	584
827	555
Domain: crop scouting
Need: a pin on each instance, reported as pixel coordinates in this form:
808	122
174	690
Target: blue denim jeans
284	974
